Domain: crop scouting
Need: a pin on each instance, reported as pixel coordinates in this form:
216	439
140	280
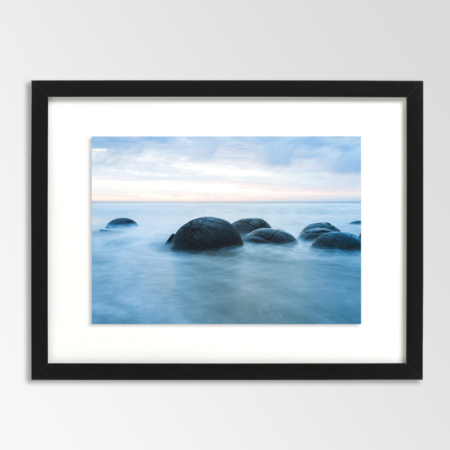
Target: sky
214	169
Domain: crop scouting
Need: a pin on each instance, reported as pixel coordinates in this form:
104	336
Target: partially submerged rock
338	241
206	233
169	241
313	233
356	222
325	225
245	226
269	236
122	222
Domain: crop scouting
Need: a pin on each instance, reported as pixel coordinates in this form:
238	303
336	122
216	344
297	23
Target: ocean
138	279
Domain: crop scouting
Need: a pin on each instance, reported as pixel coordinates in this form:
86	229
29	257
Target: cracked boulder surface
269	236
122	222
325	225
337	241
206	233
313	233
169	241
245	226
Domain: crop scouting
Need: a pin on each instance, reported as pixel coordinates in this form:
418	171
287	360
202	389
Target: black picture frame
411	90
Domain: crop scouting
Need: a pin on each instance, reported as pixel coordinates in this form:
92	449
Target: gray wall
220	40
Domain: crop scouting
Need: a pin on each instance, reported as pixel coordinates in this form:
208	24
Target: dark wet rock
313	233
245	226
122	222
339	241
360	235
356	222
206	233
269	236
325	225
169	241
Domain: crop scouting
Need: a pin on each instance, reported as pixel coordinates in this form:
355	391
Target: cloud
299	164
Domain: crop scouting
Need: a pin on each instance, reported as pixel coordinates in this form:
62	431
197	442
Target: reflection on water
136	278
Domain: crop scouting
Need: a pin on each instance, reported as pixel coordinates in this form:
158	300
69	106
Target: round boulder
121	223
356	222
245	226
338	241
325	225
313	233
169	241
269	236
206	233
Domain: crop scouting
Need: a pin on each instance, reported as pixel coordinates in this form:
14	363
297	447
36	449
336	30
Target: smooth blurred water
136	278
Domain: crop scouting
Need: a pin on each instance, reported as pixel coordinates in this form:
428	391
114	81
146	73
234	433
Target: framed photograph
213	230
